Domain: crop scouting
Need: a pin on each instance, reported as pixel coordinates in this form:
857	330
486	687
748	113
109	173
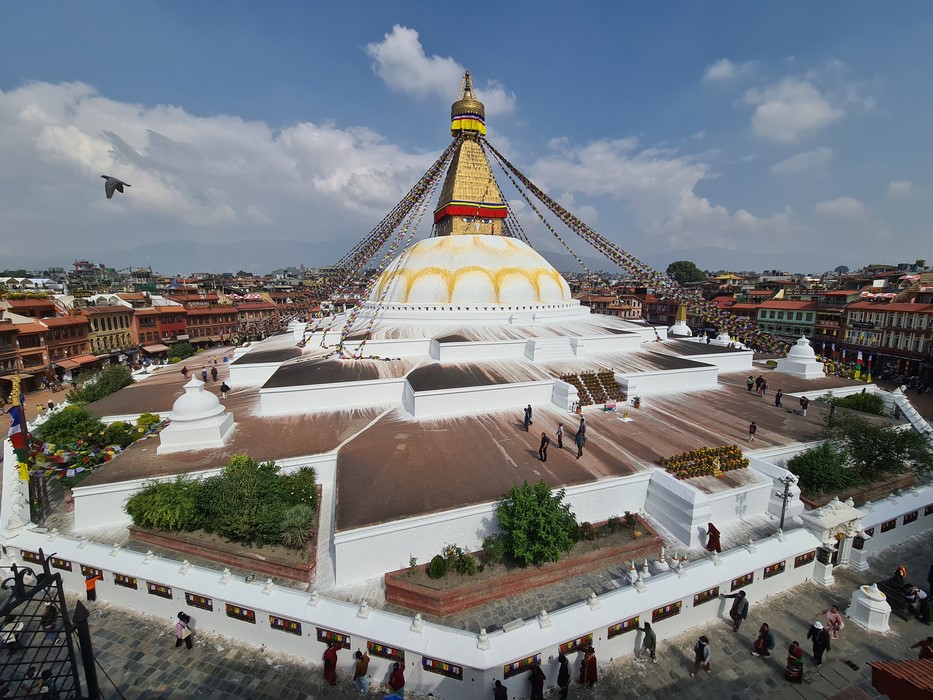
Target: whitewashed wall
475	399
251	374
596	344
482	661
894	508
310	397
365	553
669	381
492	350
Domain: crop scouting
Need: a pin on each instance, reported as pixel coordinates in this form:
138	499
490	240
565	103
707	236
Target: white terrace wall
897	518
305	398
685	511
296	622
364	553
243	373
669	381
485	350
475	399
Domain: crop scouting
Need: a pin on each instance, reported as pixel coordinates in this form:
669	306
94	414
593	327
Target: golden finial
681	314
467	114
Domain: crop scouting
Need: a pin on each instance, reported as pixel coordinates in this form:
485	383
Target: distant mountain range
262	256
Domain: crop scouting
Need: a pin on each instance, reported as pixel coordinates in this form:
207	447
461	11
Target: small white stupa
198	421
680	328
801	361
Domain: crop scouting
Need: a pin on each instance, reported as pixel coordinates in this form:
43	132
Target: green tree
537	526
104	383
824	469
166	505
182	351
684	272
71	424
875	450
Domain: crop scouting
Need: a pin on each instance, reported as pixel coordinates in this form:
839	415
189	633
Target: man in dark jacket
820	637
739	610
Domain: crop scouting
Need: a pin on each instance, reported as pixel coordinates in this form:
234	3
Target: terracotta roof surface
894	306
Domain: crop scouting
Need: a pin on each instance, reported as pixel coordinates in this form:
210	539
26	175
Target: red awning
67	364
86	359
158	347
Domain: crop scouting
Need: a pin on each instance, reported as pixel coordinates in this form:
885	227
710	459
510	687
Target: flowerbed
705	462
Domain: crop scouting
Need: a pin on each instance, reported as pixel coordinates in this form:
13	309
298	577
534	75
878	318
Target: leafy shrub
437	568
459	560
588	532
181	351
104	383
301	487
864	403
71	424
147	420
536	525
297	526
165	505
824	468
630	519
120	433
614	524
493	550
174	360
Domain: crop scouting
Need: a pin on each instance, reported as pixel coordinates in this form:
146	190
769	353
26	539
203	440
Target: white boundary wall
669	381
475	399
892	511
305	398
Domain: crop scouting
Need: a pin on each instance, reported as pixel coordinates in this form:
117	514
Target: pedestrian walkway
139	655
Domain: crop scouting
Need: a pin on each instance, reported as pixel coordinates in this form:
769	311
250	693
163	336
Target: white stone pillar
869	608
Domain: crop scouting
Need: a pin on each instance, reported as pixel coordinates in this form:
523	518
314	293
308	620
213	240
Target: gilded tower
470	201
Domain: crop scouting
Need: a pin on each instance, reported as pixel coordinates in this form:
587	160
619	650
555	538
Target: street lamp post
785	495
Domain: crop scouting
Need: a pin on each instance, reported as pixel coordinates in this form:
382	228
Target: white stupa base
206	435
801	370
859	560
869	609
823	574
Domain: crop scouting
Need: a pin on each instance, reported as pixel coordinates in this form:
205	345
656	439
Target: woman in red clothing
397	679
330	663
712	539
588	668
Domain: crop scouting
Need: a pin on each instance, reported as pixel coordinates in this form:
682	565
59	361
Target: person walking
330	663
542	450
804	405
204	375
580	439
758	382
184	372
360	671
821	643
397	680
649	644
702	656
49	623
536	679
793	672
833	620
764	387
560	437
588	668
777	398
224	390
183	631
712	539
528	421
563	675
925	646
750	382
213	373
500	692
765	642
752	429
739	609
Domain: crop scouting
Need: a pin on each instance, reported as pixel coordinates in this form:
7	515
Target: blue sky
791	130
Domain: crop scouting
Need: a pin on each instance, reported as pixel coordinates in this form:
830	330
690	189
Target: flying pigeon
113	184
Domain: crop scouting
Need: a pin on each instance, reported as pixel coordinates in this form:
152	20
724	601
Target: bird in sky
113	184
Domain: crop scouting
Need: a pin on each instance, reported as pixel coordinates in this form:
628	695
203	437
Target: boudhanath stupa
410	405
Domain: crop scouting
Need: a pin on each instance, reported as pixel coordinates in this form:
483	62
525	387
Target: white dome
801	351
680	328
196	403
479	270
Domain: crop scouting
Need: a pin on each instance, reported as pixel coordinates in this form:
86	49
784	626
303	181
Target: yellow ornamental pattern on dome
472	270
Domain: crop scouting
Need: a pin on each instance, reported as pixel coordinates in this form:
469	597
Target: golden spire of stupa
681	314
470	202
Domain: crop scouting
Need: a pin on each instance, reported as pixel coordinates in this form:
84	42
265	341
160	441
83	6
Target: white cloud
400	61
814	161
900	188
658	188
840	208
724	69
209	178
790	110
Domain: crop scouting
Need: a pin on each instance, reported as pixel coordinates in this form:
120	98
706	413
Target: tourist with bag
183	631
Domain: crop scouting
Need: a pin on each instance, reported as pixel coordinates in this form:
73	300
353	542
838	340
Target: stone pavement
138	654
